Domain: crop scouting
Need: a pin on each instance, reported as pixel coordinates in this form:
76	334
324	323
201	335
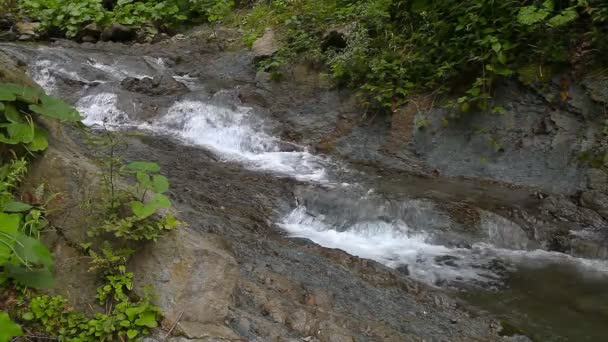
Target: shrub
395	48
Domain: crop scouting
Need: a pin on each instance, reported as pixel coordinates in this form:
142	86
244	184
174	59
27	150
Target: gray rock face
533	143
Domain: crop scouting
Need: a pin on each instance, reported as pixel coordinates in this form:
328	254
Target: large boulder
194	276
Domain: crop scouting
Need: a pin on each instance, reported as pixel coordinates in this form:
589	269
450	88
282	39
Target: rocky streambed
308	221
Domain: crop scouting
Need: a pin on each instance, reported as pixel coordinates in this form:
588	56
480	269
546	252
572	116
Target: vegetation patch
391	49
132	212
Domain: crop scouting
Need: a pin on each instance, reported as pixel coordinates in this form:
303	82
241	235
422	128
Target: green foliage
117	287
67	15
127	320
23	258
70	16
8	329
20	106
110	262
395	48
136	212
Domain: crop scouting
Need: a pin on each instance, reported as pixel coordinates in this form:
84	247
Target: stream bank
213	123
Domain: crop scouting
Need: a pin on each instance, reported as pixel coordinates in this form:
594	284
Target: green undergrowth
69	17
390	49
133	204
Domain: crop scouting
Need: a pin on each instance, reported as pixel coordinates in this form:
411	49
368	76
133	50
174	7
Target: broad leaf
33	251
144	210
10	223
147	319
160	184
12	92
55	108
12	114
131	333
7	93
16	207
41	278
8	329
22	132
40	141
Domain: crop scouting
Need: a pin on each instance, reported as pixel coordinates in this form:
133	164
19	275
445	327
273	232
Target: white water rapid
237	134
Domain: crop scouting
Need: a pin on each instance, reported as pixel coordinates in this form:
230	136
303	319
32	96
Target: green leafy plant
139	212
20	106
66	15
8	329
110	261
391	49
127	320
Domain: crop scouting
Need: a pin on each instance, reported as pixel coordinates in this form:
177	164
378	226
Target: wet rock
8	36
597	201
597	180
265	46
27	30
90	33
403	269
564	210
160	85
117	33
194	276
502	232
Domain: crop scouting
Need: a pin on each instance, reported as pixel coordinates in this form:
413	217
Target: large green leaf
142	210
160	183
9	230
12	114
12	92
7	93
16	207
55	108
39	278
40	141
10	223
22	132
33	251
147	319
1	106
143	166
8	329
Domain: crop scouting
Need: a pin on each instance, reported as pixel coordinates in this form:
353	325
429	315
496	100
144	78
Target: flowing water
549	296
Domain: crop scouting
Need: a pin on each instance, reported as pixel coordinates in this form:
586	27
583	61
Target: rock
597	201
265	46
90	33
29	29
160	85
597	180
117	33
8	36
193	275
89	39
